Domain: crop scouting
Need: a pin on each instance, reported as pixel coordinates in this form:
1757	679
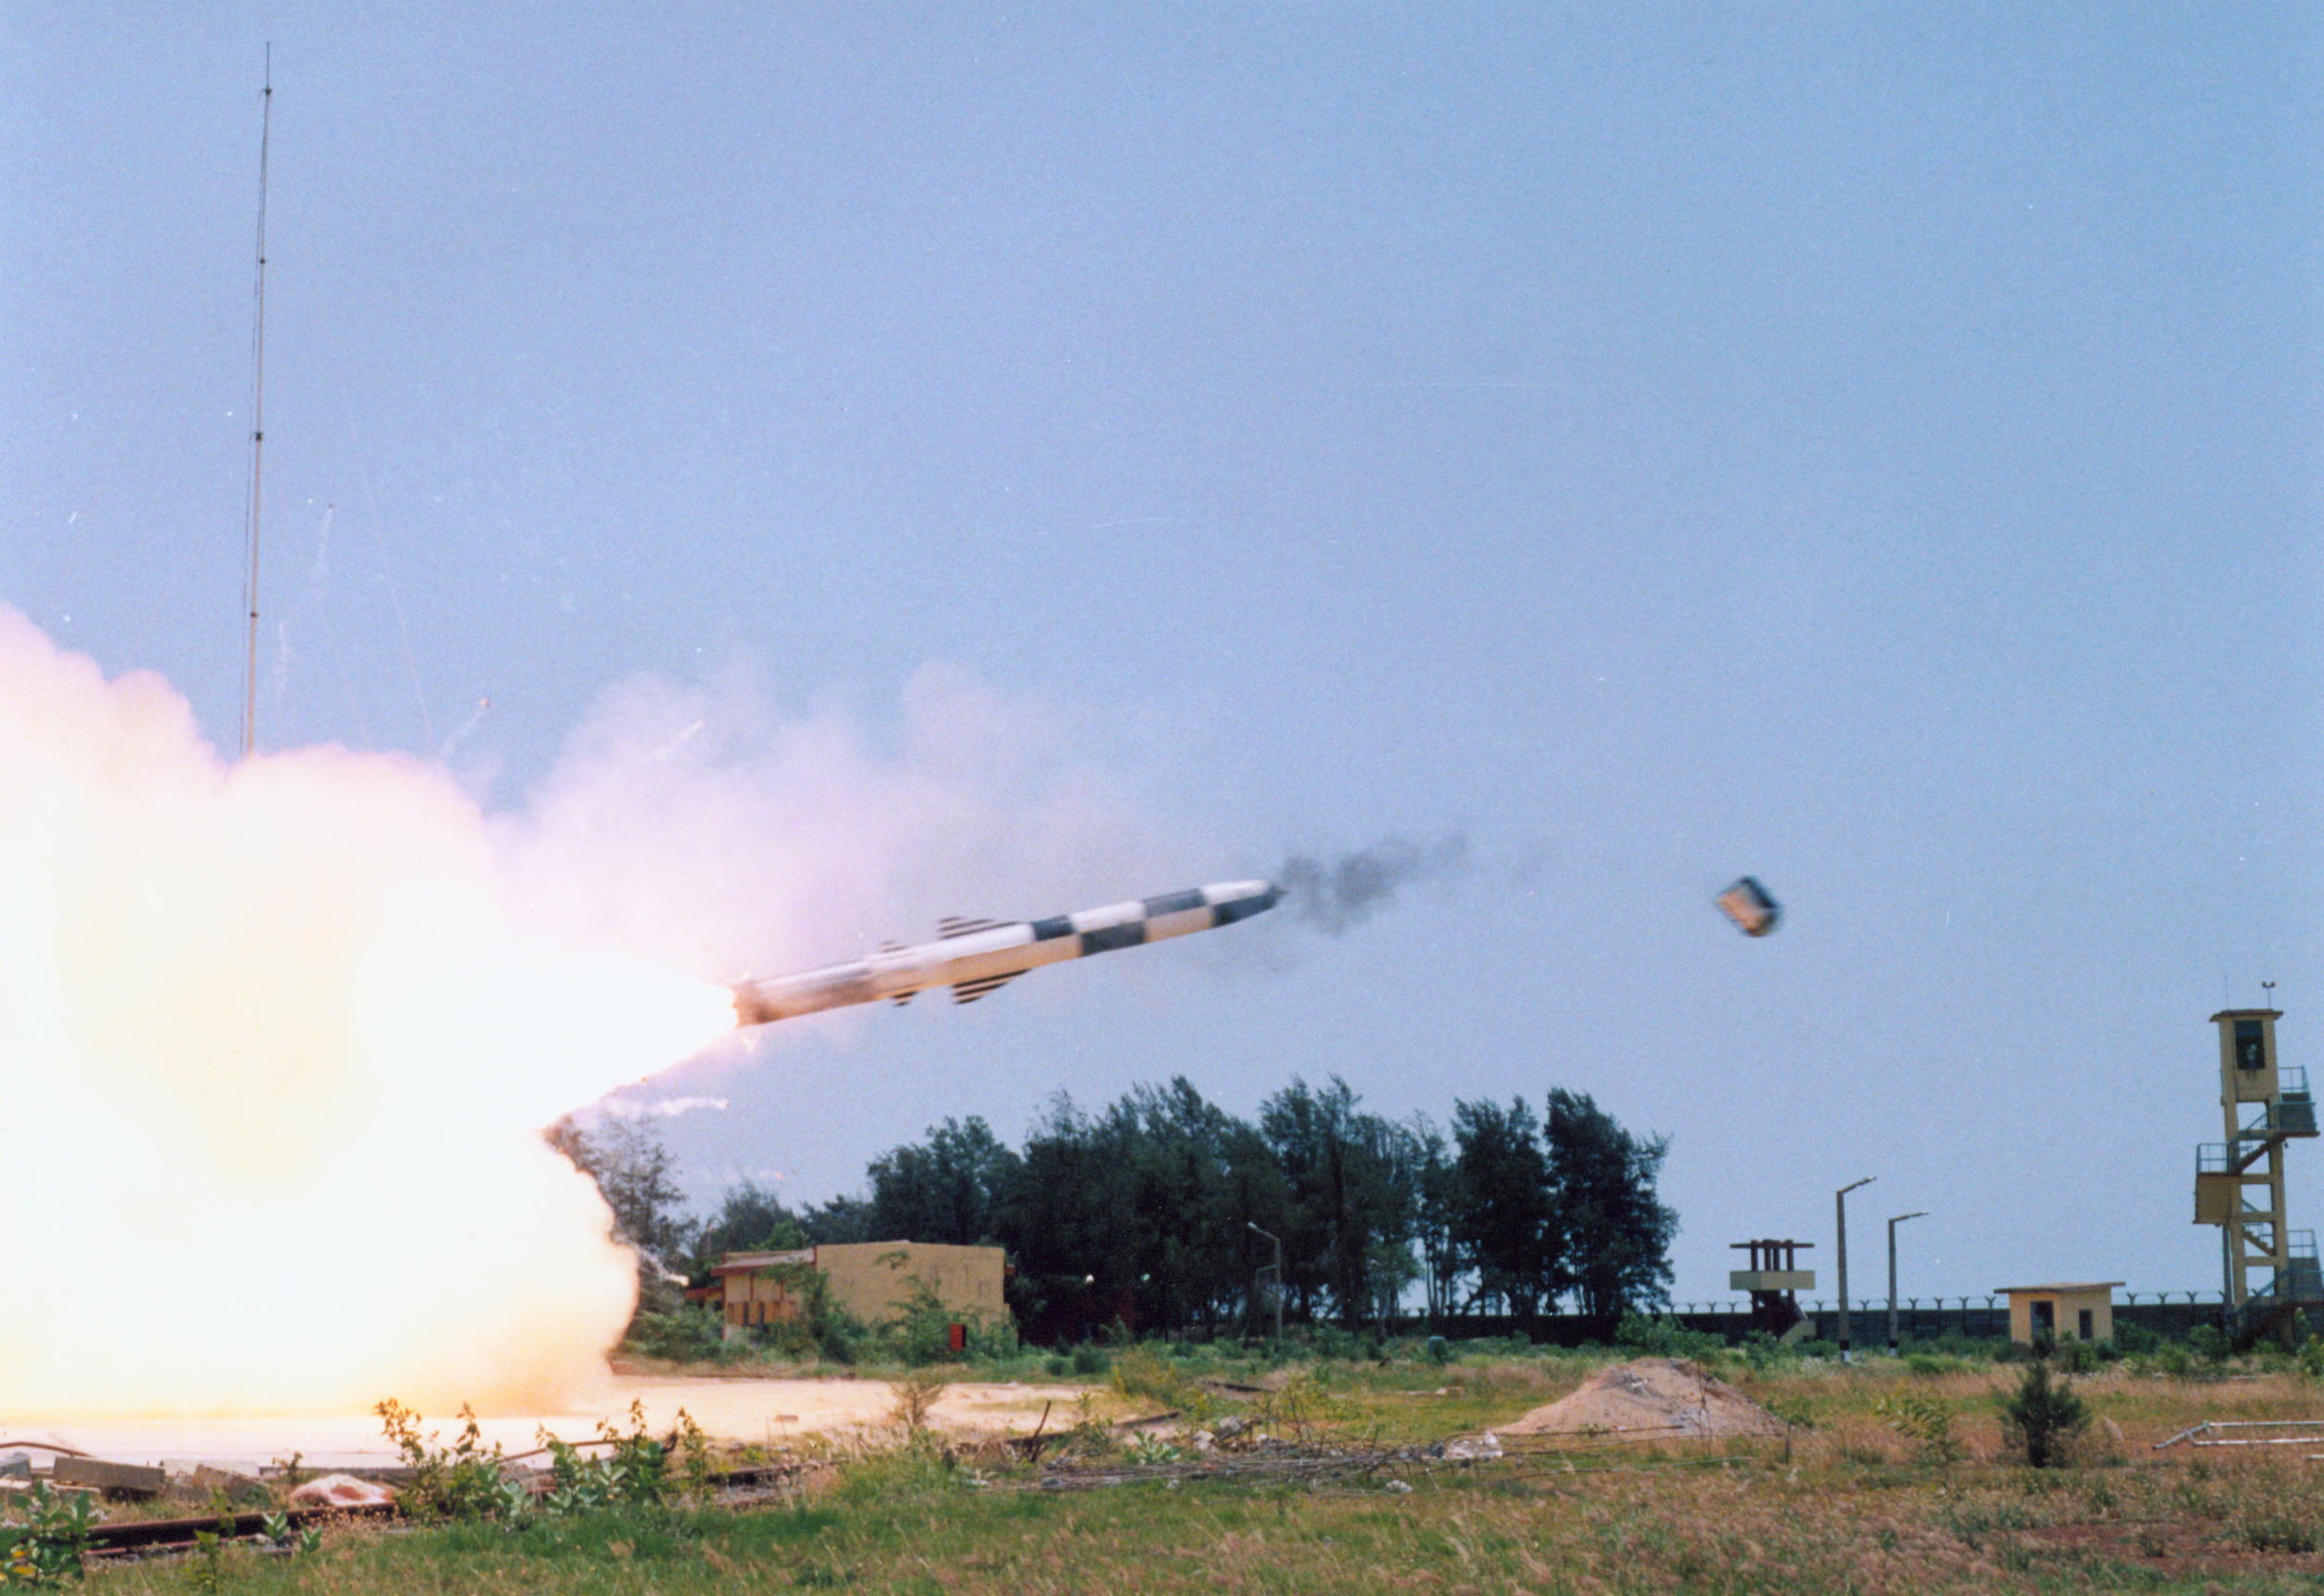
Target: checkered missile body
975	957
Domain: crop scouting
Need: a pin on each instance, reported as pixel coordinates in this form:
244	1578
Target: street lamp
1279	1281
1840	1202
1899	1219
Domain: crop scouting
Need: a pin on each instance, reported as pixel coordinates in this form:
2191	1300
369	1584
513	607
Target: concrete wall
873	1280
1868	1329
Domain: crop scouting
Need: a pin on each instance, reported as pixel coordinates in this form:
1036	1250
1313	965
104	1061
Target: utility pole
1840	1202
1899	1219
1278	1280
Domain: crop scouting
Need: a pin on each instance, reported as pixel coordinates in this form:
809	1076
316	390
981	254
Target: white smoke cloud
660	1107
276	1037
272	1055
703	823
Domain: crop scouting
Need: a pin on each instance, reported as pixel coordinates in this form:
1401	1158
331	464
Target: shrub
2080	1357
459	1481
1140	1371
46	1533
1088	1361
2173	1359
2043	1416
2280	1534
690	1334
1924	1419
915	1395
1666	1338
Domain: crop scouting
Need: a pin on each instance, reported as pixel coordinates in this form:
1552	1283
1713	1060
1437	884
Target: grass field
1848	1502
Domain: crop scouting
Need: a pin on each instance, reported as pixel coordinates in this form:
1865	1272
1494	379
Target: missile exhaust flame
275	1052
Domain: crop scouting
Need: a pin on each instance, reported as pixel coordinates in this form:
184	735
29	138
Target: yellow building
2064	1313
872	1280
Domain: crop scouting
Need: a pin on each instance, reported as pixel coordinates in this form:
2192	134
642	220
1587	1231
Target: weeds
460	1481
915	1394
1924	1419
1143	1373
45	1534
2280	1534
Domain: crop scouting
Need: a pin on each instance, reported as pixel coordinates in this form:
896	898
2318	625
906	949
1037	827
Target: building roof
748	1263
2064	1287
2247	1014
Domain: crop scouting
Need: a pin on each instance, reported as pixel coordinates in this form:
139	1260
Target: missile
975	957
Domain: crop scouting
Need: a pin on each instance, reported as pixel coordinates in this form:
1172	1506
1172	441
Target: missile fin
969	991
901	998
952	925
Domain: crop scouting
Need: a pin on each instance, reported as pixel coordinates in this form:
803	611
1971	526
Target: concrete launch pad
765	1411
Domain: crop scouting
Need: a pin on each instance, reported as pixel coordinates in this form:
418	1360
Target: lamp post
1278	1280
1840	1202
1899	1219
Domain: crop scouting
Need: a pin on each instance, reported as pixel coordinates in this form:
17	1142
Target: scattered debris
342	1491
1751	906
1473	1449
113	1478
2212	1433
1648	1400
209	1482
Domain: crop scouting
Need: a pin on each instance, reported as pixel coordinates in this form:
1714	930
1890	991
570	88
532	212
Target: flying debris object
974	957
1749	906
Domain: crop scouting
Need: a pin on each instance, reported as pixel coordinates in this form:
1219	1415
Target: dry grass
1843	1505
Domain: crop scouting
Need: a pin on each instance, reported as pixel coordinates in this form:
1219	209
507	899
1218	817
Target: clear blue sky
1870	447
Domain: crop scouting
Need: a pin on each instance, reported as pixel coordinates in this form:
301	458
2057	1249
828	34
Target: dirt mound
1650	1398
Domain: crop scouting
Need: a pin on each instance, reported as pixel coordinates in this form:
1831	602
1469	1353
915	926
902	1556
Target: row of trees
1150	1211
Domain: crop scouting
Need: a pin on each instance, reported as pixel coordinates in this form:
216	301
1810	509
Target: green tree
637	1177
838	1221
750	1218
1066	1219
1436	1202
2042	1417
1502	1220
1613	1232
1350	1183
948	1190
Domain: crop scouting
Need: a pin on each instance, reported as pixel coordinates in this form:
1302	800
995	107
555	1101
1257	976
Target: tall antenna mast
258	427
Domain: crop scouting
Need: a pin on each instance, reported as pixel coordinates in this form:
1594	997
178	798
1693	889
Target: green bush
44	1535
1925	1419
1143	1371
691	1335
460	1481
2081	1357
1666	1337
1088	1361
2043	1416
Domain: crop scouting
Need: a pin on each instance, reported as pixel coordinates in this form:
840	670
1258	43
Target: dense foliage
1157	1213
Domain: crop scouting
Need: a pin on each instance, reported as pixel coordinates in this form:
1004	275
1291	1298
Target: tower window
2250	1051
